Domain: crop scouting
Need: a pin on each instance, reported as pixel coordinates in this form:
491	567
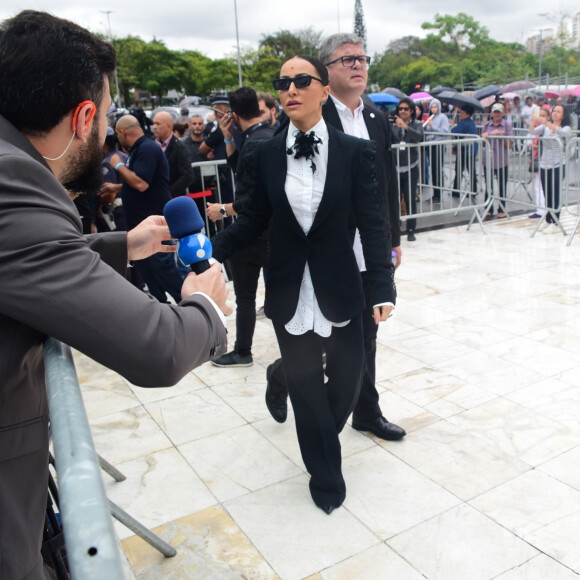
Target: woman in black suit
310	180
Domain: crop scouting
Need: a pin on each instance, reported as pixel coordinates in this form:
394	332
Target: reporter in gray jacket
54	96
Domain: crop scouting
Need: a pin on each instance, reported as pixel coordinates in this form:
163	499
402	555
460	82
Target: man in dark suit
347	65
180	171
56	282
248	262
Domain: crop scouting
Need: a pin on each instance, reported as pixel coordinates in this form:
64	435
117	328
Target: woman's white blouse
304	191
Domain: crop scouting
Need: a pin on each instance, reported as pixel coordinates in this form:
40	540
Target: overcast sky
209	26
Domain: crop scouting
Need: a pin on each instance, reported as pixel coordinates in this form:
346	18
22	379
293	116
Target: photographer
406	129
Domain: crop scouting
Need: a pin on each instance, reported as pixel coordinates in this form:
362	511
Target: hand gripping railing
91	544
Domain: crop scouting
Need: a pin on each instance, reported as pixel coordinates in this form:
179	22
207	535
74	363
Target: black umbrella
487	92
460	100
395	92
438	90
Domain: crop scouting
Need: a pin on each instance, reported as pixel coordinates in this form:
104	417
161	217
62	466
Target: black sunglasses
300	82
403	109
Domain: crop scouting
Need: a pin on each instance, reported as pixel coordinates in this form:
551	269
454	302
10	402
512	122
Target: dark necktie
306	145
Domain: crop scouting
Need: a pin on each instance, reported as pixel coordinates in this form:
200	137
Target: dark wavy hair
47	67
566	120
411	105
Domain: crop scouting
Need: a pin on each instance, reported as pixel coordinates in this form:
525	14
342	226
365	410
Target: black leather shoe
328	509
276	395
381	428
411	236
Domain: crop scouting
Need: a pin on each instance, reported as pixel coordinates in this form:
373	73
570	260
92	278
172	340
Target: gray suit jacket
54	283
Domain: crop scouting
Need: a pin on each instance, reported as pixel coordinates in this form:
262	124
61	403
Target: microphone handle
200	267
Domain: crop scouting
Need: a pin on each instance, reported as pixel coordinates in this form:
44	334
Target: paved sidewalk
480	364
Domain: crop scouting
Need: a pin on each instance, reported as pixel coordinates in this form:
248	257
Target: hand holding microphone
194	250
185	224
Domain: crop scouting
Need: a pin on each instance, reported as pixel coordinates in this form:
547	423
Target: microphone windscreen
182	217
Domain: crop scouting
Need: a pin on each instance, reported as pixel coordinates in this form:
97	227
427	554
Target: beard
83	174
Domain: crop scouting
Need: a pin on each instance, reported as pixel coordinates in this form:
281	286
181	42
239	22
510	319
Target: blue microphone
185	224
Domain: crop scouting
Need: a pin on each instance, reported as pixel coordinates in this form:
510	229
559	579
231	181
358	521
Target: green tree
127	48
285	44
463	33
260	67
222	75
159	69
310	40
197	68
359	22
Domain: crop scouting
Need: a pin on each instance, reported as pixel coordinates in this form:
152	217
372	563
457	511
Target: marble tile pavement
480	364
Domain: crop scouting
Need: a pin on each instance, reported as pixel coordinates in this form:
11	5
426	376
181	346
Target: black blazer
379	132
180	170
351	186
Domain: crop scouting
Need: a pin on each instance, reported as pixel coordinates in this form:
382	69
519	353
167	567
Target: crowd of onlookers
536	130
199	138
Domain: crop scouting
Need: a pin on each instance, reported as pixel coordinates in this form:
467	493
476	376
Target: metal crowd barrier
92	548
211	180
572	184
91	543
435	174
524	187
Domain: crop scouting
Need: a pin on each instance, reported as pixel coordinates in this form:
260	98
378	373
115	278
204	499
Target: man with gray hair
345	110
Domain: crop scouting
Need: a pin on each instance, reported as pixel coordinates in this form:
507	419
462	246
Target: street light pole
238	43
108	13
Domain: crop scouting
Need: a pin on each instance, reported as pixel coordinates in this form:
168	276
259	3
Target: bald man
145	192
180	171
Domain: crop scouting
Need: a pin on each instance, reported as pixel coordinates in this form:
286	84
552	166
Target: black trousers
246	266
367	407
436	162
408	188
321	409
551	184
